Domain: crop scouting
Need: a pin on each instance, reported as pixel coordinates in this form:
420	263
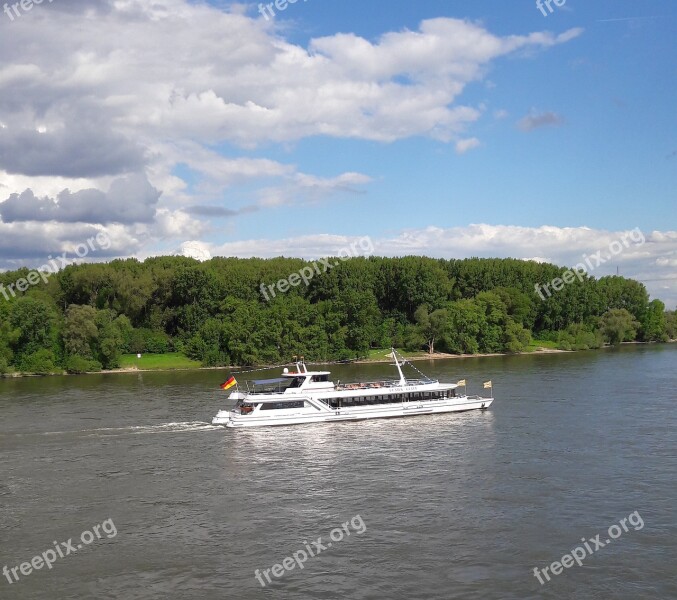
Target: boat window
297	382
281	405
319	378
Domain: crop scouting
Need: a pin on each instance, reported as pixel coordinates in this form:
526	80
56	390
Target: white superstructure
306	396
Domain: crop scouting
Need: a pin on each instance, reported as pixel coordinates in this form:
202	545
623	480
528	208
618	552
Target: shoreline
360	361
444	355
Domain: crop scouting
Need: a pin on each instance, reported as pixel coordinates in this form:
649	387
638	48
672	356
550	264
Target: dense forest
84	317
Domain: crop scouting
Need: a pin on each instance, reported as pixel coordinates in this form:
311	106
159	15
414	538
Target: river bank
165	365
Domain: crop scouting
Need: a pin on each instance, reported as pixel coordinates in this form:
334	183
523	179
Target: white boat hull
402	409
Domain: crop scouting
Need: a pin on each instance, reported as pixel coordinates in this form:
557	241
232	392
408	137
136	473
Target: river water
450	506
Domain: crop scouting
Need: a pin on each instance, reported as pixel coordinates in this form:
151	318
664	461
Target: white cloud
190	79
195	249
174	225
193	72
462	146
312	188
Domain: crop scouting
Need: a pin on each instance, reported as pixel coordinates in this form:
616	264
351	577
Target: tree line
85	317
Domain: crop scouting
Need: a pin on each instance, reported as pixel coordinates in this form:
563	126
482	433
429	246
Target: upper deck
303	381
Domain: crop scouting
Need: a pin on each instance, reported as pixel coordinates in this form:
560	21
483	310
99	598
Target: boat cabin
305	381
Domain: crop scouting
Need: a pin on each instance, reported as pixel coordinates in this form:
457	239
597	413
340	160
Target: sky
438	127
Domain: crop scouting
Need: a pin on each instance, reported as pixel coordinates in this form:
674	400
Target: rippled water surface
453	506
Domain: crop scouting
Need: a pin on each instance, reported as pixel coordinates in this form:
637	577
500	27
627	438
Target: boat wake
178	427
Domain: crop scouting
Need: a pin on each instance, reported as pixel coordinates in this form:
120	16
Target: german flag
229	383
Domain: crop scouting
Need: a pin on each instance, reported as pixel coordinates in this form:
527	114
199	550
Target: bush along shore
180	313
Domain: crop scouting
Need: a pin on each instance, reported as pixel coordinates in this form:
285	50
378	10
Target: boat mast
403	379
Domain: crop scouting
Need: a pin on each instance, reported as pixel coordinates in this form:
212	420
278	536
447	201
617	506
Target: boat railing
254	389
367	385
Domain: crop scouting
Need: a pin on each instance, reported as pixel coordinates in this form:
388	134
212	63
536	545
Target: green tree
520	306
360	317
579	336
34	326
8	338
79	331
618	325
40	362
431	325
466	322
618	292
654	323
110	338
671	324
516	337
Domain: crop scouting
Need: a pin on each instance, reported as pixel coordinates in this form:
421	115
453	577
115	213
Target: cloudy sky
441	127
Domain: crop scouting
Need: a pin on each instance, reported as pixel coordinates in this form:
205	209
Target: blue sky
605	167
443	128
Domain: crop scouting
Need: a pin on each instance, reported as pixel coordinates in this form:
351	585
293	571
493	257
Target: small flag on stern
229	383
487	384
461	383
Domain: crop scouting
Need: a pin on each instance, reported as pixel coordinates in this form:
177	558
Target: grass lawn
171	360
536	344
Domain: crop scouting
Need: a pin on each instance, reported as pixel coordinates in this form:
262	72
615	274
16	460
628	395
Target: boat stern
222	418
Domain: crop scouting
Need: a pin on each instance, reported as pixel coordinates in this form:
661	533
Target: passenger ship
304	396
